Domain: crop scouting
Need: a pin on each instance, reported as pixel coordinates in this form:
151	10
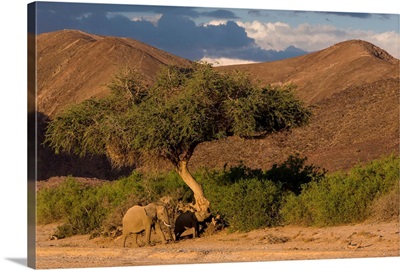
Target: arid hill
74	66
321	74
352	87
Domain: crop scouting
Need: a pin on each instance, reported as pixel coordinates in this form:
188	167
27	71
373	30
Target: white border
13	132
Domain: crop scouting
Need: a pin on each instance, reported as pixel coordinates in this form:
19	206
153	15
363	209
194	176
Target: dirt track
282	243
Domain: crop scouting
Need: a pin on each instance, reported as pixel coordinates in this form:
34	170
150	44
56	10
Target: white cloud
135	16
225	61
215	23
150	18
279	36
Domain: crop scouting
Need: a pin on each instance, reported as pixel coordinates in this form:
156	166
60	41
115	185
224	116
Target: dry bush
386	208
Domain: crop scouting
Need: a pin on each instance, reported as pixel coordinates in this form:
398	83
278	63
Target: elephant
143	218
185	221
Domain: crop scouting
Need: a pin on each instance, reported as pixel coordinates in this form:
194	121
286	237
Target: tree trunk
202	205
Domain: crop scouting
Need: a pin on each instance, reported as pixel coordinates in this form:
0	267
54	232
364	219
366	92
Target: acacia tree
183	108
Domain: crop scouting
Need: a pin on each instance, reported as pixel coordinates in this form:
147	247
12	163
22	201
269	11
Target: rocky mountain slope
321	74
352	88
74	66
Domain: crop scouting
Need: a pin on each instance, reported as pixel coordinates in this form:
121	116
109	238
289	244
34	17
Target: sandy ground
271	244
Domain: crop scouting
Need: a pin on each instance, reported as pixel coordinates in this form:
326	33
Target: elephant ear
151	211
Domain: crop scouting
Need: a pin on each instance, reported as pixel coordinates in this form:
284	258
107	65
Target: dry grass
386	208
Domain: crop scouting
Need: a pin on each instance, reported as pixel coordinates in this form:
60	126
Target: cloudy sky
228	35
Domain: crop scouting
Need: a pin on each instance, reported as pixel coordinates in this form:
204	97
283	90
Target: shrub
294	173
342	198
54	203
244	197
72	203
295	210
84	209
238	173
246	203
250	204
386	207
166	185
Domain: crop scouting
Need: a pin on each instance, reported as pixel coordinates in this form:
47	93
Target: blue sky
224	35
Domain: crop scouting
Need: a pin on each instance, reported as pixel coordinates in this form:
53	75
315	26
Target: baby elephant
185	221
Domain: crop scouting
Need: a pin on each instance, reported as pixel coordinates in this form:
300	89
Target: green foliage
70	199
234	174
95	126
166	185
128	84
250	204
52	203
83	208
245	198
342	198
293	174
185	107
251	198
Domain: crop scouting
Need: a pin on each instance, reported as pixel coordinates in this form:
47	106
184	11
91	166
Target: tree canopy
183	108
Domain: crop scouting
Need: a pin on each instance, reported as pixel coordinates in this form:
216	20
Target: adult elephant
142	218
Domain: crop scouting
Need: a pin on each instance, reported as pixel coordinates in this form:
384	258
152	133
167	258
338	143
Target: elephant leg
196	230
160	232
135	235
177	236
124	236
148	234
170	234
